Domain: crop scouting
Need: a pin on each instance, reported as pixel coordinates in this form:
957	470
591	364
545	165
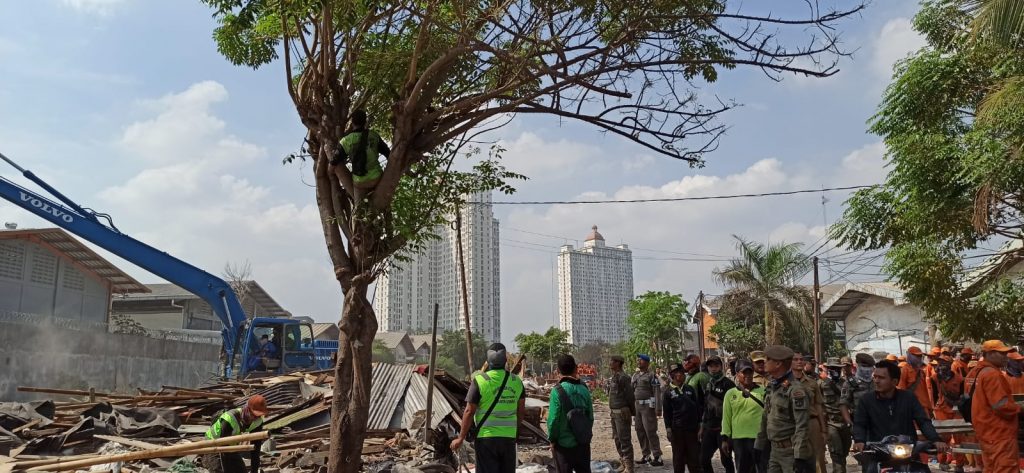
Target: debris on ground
161	431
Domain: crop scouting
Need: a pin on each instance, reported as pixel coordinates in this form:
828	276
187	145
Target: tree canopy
543	348
452	346
953	126
654	322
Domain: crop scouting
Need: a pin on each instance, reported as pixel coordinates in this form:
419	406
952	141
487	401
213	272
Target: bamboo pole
64	465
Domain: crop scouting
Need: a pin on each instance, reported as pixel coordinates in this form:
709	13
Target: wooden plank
129	442
26	426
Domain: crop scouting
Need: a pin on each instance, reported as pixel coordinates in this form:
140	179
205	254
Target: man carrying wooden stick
246	420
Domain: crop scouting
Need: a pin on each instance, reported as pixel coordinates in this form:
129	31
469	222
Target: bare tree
238	276
437	73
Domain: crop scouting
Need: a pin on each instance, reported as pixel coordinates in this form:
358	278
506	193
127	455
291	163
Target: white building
875	316
595	285
406	294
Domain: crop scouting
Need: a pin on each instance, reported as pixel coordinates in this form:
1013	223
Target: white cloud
863	166
198	194
97	7
531	155
896	40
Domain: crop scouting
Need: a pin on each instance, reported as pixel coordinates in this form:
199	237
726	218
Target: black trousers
572	460
746	459
762	458
495	455
224	463
685	451
709	444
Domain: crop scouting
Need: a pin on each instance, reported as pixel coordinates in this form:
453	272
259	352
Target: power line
671	199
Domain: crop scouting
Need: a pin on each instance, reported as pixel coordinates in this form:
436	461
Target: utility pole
427	436
817	312
700	323
465	295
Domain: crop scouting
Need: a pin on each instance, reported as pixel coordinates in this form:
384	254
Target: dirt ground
603	447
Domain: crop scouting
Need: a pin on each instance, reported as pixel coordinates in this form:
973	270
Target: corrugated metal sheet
416	401
389	384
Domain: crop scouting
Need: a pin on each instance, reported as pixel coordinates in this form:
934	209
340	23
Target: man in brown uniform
817	403
621	403
786	420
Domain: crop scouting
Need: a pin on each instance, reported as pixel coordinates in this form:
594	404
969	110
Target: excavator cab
273	346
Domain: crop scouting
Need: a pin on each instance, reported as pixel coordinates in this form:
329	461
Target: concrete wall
880	313
51	357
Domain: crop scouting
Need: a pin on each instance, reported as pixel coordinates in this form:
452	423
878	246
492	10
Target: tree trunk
352	378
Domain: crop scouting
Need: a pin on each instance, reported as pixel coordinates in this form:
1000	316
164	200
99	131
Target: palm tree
767	274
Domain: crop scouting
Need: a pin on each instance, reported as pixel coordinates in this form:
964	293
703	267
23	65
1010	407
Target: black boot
657	461
643	461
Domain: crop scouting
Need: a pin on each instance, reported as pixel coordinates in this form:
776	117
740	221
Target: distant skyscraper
595	285
406	294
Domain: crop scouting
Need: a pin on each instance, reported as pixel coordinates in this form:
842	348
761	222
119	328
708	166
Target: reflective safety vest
502	421
373	169
231	417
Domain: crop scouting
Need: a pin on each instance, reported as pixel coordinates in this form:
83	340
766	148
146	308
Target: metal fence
23	318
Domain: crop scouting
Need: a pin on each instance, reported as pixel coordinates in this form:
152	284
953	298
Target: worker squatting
776	411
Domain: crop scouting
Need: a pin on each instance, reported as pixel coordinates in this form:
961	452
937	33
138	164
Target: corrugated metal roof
416	401
252	290
73	249
389	384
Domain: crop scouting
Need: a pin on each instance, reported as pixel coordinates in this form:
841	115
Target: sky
127	107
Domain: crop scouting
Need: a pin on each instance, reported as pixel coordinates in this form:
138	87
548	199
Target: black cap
744	364
778	353
675	367
865	359
713	359
618	358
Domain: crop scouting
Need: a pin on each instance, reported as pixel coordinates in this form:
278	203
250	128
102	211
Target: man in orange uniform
913	379
993	412
1014	375
960	364
946	386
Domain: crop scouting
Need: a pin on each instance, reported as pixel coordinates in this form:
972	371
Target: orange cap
901	358
890	357
967	351
257	405
1015	356
936	351
915	350
995	345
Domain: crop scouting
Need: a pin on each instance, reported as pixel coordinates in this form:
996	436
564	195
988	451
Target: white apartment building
406	294
595	285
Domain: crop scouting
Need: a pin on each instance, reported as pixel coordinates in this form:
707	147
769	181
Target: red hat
915	350
257	405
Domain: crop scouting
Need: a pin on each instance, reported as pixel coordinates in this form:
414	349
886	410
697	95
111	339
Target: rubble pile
164	430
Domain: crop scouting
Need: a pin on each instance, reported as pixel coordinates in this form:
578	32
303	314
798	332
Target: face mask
836	375
864	373
717	376
914	360
1014	368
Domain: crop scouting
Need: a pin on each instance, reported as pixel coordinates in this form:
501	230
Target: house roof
1009	254
253	291
392	339
420	340
82	256
319	329
851	295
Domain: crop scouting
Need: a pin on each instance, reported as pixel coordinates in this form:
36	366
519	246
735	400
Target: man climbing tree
433	74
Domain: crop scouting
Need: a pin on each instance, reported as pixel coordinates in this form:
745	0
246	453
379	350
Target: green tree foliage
762	291
542	349
956	181
382	353
122	323
434	74
452	346
653	322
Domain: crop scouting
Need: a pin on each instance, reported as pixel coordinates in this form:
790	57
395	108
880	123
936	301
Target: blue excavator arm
87	224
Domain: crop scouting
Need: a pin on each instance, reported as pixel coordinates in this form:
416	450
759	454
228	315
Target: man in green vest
494	411
238	421
361	146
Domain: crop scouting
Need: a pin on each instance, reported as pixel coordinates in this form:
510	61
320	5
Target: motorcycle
895	453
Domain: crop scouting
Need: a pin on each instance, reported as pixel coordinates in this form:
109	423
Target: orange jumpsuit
1016	384
911	378
947	393
995	420
959	367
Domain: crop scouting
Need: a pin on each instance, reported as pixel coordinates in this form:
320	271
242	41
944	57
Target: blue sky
127	106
